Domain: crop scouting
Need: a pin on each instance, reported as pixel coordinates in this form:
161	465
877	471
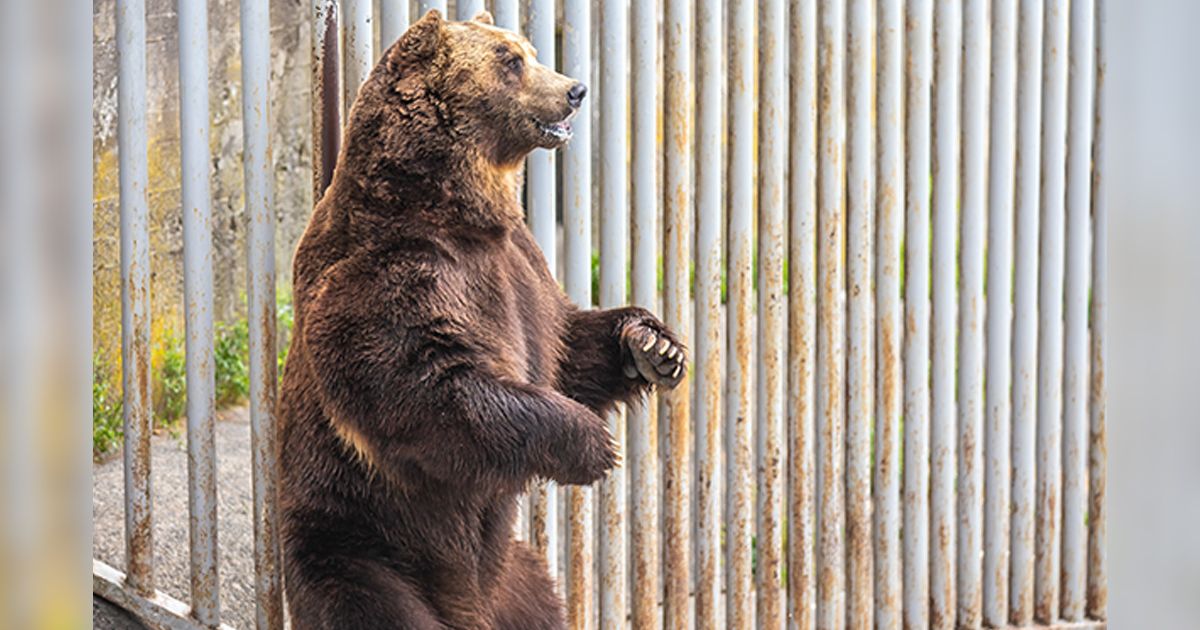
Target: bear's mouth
560	131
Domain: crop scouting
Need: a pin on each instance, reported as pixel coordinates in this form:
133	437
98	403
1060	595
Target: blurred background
1154	279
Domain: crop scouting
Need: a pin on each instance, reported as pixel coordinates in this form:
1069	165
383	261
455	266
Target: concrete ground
170	499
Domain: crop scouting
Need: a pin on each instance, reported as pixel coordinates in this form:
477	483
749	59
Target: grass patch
168	361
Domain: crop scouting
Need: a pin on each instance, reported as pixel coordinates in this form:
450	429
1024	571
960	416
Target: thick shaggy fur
436	366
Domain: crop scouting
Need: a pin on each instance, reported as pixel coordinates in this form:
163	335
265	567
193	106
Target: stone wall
290	142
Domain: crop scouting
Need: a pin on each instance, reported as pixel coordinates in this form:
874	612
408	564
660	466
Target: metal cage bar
135	292
708	412
198	309
644	541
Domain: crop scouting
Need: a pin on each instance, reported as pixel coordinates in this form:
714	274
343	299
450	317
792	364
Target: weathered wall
291	148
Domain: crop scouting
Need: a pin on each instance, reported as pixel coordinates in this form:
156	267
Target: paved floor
170	496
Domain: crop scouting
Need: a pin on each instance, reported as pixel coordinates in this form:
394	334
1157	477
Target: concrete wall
291	147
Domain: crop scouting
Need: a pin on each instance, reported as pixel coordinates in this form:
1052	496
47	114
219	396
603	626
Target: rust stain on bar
327	130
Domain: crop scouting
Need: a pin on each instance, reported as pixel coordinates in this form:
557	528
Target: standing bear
436	367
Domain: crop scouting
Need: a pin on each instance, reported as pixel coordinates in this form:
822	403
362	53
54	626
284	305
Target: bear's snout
575	94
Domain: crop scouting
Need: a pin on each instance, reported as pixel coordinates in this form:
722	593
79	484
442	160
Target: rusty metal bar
678	106
831	324
947	45
889	203
260	283
802	305
326	112
157	608
1051	256
998	376
543	497
1076	371
135	292
393	21
709	375
467	9
356	46
507	14
1025	307
860	357
198	308
645	556
1097	579
614	238
577	252
739	528
772	152
424	6
976	50
916	305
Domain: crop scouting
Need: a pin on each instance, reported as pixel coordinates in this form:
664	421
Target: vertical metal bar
326	112
710	87
998	376
860	363
425	6
393	21
467	9
357	47
643	421
678	104
198	307
543	497
889	195
1050	313
1025	306
739	528
506	14
614	238
916	306
135	291
1097	580
1076	373
831	324
772	108
577	232
260	270
802	306
947	37
976	50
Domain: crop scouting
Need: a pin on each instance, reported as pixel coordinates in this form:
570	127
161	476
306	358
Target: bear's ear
421	41
484	17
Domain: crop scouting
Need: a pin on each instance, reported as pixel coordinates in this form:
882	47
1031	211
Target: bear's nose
575	95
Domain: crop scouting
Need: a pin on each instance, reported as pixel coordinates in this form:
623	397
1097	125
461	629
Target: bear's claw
654	354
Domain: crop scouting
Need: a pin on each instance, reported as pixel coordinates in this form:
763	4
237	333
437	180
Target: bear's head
484	85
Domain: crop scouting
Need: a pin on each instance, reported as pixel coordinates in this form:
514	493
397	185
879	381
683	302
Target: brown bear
436	366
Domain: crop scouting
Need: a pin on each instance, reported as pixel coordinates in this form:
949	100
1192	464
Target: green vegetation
168	359
106	409
231	359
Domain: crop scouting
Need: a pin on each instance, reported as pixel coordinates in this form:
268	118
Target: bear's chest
521	314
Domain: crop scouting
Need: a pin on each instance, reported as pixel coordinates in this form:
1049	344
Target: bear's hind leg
359	594
525	595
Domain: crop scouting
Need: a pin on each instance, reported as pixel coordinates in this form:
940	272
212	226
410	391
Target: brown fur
436	366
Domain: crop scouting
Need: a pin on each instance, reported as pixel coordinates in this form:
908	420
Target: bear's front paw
654	353
588	458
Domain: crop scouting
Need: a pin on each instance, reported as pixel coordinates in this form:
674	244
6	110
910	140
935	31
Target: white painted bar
889	200
1025	307
998	376
802	307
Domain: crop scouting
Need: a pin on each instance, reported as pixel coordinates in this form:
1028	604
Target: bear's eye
514	62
